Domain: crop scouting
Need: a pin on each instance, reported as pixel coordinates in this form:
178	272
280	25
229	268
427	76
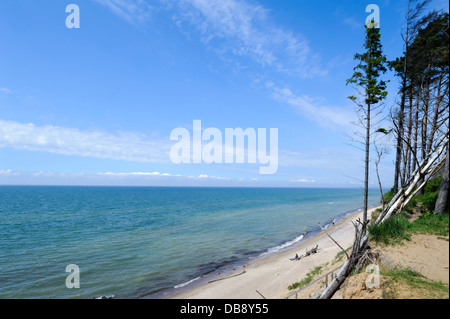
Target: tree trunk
377	162
416	130
400	133
418	174
407	163
424	123
442	199
366	173
434	122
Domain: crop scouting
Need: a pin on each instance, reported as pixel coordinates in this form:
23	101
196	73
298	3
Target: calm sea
133	241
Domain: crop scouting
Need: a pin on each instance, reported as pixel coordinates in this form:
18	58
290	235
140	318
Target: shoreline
269	273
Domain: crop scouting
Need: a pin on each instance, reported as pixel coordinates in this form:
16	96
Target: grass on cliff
408	284
397	229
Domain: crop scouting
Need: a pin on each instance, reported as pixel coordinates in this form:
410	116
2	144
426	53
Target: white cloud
303	180
149	174
313	108
71	141
108	176
204	176
5	90
245	29
136	12
7	172
133	174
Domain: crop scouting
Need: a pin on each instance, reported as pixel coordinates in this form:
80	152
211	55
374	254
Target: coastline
270	274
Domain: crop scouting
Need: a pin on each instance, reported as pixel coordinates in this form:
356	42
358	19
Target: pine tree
367	77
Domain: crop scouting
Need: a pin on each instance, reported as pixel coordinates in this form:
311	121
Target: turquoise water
131	241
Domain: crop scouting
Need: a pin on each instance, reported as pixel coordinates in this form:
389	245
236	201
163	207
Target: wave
284	245
186	283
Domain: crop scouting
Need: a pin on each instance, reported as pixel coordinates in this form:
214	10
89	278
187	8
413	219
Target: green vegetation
426	202
431	224
412	283
397	228
392	231
423	202
375	214
388	195
309	278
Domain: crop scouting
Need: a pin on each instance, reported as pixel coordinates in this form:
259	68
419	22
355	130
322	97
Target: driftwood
307	253
312	251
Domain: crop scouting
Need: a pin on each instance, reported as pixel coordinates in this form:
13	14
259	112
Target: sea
150	242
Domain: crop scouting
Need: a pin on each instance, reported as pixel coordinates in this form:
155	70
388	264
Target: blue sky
96	105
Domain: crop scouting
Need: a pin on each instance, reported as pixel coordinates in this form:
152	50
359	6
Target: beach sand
271	275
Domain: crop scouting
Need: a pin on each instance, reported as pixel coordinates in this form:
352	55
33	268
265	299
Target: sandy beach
271	275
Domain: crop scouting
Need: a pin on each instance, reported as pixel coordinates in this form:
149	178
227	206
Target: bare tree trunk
359	245
360	242
377	162
400	133
407	164
416	129
434	123
418	174
424	124
442	199
366	172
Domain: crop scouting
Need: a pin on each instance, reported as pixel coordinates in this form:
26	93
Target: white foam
284	245
186	283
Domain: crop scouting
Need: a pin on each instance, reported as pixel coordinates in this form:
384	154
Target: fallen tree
416	182
307	253
425	168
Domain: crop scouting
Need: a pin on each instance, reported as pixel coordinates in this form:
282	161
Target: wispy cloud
154	174
313	108
353	23
132	174
316	160
106	178
246	29
5	90
239	27
71	141
7	172
204	176
136	12
303	180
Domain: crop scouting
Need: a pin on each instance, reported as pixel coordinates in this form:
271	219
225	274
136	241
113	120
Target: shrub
433	185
